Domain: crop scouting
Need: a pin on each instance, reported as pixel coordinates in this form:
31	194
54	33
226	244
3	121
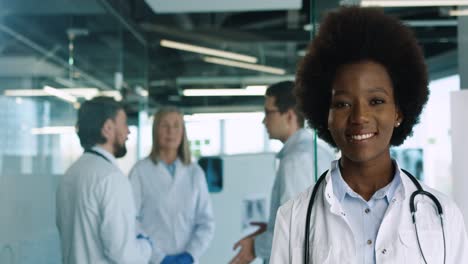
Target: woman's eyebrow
378	90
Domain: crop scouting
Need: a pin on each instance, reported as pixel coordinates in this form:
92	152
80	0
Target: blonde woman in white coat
171	194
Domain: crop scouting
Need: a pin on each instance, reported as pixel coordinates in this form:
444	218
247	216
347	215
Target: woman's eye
340	105
377	101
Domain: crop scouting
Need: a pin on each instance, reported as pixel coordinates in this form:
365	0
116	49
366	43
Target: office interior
214	60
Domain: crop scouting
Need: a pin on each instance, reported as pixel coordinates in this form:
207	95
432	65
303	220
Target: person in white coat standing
296	167
96	215
171	194
363	84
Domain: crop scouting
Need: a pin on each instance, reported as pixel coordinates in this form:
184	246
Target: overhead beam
52	57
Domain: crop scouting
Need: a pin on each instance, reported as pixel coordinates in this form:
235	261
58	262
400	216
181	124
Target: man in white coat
296	165
96	215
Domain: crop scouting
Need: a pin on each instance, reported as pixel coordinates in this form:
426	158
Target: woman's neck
368	177
168	155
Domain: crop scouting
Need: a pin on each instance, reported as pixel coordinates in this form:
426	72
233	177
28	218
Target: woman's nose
359	113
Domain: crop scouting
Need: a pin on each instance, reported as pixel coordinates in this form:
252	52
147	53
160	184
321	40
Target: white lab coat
295	173
175	210
96	214
332	240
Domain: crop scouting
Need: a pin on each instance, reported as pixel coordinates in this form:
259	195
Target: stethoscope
413	209
90	151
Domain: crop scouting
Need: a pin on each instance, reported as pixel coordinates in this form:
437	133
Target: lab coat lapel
178	173
333	232
163	180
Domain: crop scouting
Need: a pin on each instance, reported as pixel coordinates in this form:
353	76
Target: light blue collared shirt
364	217
170	167
295	173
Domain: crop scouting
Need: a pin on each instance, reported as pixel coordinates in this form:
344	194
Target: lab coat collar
105	153
341	188
292	141
397	192
163	166
176	162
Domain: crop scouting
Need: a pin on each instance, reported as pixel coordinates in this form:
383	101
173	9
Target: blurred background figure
171	194
296	165
95	207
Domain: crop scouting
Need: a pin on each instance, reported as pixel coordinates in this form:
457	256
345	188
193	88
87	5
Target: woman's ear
398	118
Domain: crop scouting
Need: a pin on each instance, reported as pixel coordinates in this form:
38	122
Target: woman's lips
362	136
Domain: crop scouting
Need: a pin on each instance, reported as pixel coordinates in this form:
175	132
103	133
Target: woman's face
170	131
362	112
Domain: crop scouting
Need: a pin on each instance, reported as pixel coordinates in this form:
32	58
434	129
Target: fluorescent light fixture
259	88
60	94
243	65
255	90
112	93
25	92
459	12
409	3
53	130
86	93
221	116
309	27
141	91
207	51
144	93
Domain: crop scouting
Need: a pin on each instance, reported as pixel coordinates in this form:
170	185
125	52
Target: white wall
244	175
460	150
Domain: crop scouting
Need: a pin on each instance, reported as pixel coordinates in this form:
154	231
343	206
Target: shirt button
384	251
369	242
367	210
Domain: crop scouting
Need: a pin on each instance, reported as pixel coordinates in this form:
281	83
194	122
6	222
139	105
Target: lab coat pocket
318	255
431	244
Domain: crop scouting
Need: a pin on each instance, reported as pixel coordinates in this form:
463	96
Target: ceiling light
459	12
207	51
224	92
409	3
221	116
112	93
53	130
86	93
249	66
60	94
25	92
258	88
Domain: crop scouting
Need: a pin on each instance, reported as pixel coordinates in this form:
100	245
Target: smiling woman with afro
362	85
357	35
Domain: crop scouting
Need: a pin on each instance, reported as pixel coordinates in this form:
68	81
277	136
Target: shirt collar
291	141
105	153
173	164
341	188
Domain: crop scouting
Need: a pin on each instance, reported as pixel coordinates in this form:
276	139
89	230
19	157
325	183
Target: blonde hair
183	152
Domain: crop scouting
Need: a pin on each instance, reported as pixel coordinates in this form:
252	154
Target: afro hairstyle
351	35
